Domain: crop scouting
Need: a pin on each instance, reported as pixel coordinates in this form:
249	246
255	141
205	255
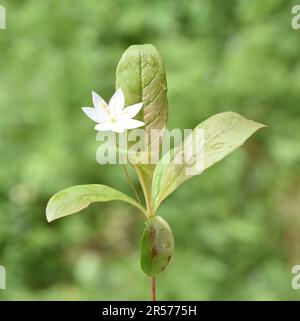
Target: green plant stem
153	288
131	184
146	193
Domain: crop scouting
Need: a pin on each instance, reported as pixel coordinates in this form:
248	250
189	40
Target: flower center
113	119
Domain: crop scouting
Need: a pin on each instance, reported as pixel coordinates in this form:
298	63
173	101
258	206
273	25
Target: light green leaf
75	198
141	76
223	133
157	246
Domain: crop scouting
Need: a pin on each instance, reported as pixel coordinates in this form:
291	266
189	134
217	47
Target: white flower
113	116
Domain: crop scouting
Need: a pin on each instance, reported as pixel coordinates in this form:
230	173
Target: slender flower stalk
131	184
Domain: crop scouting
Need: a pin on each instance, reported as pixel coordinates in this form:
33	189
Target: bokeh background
236	226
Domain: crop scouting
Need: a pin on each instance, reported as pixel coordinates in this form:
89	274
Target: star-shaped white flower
113	116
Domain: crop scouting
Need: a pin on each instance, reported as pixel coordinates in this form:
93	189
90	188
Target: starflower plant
142	93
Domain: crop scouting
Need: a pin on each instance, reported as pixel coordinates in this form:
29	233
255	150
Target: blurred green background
236	226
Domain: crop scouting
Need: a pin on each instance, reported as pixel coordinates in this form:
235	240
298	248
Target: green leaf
157	246
75	198
223	133
141	76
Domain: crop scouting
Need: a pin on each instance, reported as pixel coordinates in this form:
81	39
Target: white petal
103	127
132	123
93	114
117	127
117	102
100	105
97	99
132	111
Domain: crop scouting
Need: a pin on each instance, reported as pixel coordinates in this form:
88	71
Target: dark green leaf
157	246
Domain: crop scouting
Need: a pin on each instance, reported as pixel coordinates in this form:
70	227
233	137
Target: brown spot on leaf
154	252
